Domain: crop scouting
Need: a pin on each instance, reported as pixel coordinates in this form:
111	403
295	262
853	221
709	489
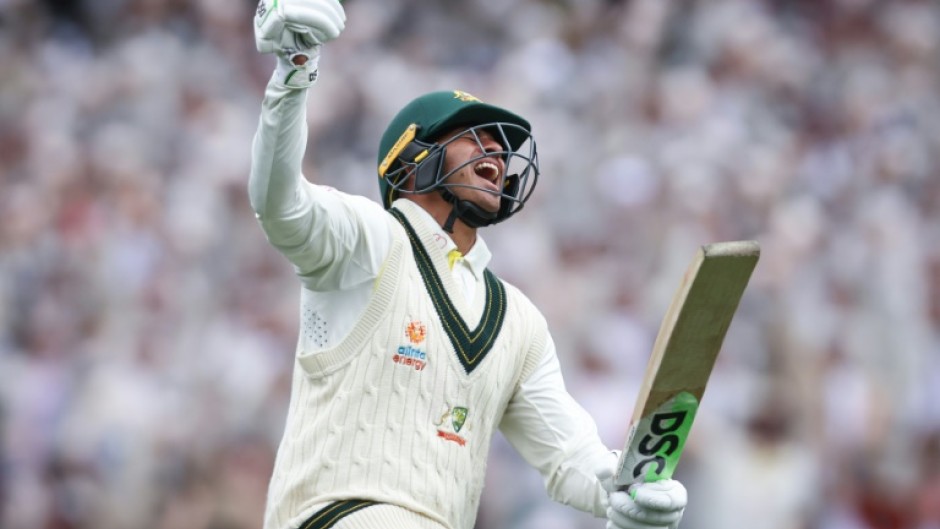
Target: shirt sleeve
554	434
334	240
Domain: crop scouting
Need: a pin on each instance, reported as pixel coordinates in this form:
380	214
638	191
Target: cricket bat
684	353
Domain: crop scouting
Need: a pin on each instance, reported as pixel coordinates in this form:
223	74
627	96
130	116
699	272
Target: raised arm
335	241
294	31
275	186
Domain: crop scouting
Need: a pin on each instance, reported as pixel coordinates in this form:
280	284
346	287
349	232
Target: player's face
480	181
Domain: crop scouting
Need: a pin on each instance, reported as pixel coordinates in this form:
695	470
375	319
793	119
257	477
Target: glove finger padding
653	505
625	513
664	495
316	21
616	520
323	20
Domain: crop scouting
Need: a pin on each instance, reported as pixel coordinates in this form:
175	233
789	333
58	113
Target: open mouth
488	171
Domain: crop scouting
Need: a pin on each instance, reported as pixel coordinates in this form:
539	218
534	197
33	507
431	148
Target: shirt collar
476	259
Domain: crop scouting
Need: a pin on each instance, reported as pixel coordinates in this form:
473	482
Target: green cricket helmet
412	145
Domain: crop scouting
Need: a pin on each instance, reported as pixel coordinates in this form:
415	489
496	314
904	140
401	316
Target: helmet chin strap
471	214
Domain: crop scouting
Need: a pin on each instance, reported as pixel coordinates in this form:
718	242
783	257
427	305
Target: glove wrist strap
296	76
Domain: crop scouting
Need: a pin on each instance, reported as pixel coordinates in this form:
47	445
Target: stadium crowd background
147	328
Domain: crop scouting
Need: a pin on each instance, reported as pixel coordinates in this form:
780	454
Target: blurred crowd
148	329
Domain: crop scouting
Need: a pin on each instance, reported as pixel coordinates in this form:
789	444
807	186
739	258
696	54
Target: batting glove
294	30
653	505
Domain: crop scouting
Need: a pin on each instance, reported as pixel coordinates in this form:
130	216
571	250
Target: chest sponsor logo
451	423
410	355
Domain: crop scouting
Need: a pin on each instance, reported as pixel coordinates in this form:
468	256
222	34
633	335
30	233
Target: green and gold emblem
458	417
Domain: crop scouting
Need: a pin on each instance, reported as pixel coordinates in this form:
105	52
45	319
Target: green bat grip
657	441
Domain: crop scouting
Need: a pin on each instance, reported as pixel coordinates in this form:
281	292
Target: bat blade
684	353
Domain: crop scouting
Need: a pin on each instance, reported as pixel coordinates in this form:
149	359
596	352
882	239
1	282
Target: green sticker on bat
657	441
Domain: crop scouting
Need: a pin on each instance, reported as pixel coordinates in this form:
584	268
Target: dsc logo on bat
661	442
657	441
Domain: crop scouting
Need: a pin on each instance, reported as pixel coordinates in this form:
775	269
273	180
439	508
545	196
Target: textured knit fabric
391	414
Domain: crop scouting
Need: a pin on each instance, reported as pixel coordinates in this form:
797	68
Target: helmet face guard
426	162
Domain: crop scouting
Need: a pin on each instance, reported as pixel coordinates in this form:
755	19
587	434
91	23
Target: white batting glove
654	505
294	31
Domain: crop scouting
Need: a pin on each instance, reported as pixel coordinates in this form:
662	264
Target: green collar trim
471	345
